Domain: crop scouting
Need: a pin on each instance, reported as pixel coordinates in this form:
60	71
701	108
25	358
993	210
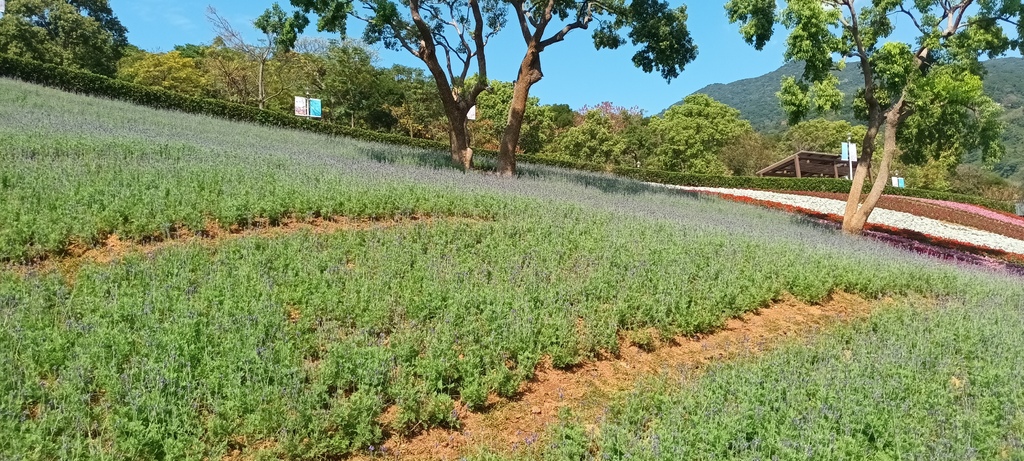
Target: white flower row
892	218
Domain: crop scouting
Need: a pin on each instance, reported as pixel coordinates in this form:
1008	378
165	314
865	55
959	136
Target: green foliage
592	141
749	153
952	118
821	135
665	42
81	34
414	104
492	118
170	71
820	31
688	136
281	29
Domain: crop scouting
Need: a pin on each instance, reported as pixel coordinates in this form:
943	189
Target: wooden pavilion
806	164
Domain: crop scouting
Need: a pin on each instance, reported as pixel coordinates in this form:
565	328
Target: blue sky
574	72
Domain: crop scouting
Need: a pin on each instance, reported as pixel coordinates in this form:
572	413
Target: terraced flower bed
948	249
957	213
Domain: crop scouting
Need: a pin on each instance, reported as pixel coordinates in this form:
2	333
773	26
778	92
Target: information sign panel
315	108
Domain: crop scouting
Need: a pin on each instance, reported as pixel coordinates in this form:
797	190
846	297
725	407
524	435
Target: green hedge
96	85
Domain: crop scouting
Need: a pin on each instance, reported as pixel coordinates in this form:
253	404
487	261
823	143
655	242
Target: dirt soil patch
508	425
113	247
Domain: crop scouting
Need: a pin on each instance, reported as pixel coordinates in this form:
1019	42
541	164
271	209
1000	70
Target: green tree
900	78
414	104
229	72
659	31
354	86
82	34
455	31
593	140
689	136
821	135
492	116
280	31
170	71
749	152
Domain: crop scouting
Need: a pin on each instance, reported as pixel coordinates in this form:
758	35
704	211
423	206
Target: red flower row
882	228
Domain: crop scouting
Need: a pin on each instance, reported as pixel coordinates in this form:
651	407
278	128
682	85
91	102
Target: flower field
314	345
953	212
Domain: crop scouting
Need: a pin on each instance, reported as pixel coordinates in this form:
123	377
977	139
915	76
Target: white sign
853	152
472	113
895	182
301	106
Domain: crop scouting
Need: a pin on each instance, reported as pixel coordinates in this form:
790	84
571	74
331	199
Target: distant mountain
755	98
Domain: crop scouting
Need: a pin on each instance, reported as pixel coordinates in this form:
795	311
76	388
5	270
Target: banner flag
853	152
903	183
301	108
3	6
315	108
472	113
846	152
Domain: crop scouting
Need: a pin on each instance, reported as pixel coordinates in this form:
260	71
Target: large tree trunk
856	215
529	73
462	154
859	177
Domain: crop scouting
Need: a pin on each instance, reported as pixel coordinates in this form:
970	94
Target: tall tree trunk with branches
898	82
459	29
666	42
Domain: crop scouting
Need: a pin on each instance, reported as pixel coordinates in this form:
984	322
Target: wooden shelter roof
806	164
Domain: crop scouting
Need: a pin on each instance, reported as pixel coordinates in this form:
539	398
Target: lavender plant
296	344
912	382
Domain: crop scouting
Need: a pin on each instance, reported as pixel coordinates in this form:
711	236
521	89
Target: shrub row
96	85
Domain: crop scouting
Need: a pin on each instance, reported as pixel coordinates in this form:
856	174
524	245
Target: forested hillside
755	98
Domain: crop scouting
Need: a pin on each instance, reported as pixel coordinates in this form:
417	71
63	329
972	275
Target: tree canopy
689	135
82	34
170	71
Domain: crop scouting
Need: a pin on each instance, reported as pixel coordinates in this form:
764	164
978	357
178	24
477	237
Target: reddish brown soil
508	425
929	210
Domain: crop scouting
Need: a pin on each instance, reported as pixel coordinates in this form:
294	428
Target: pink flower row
997	215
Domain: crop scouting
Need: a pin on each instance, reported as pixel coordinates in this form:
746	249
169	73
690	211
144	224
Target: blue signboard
902	183
315	108
846	152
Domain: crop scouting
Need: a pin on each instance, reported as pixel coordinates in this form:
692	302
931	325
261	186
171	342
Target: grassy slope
183	353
